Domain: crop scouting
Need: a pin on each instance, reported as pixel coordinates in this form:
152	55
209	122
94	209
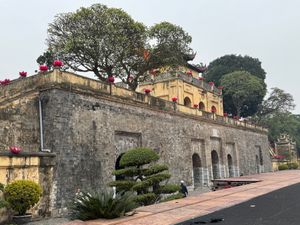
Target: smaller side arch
201	106
187	102
213	109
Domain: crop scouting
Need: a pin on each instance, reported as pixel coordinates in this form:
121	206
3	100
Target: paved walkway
194	206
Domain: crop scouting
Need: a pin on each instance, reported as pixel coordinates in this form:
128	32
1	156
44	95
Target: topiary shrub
293	166
143	176
283	167
3	204
101	205
1	187
22	195
173	197
138	157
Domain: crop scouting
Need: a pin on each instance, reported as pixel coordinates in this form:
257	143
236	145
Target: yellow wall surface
167	89
18	168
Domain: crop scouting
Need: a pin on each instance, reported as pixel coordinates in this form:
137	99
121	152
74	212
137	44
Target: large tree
218	68
240	88
230	63
108	42
275	113
279	101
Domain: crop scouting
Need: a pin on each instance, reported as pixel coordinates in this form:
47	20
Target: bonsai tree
143	175
22	195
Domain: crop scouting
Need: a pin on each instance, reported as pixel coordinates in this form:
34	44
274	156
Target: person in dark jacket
183	189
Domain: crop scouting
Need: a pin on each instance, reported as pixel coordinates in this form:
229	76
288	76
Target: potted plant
22	195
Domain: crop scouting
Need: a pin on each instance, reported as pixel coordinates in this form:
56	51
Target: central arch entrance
215	164
197	170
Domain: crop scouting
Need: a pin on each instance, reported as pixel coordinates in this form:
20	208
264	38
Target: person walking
183	189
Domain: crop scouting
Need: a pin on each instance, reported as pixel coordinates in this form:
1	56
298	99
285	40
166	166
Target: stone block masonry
88	130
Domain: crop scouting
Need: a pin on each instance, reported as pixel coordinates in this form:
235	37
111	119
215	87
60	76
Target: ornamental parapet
56	79
200	83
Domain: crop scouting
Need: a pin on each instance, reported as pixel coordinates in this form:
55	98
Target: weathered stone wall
19	123
88	129
88	134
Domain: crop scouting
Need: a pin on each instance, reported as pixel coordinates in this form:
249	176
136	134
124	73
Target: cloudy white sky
264	29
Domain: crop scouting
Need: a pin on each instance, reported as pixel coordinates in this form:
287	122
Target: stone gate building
73	129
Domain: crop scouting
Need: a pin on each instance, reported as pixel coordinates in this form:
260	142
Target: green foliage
173	197
278	102
230	63
280	123
171	43
275	113
127	172
46	58
125	185
107	41
138	157
241	87
157	168
283	167
143	176
22	195
156	178
101	205
168	189
1	187
3	204
293	166
145	199
218	68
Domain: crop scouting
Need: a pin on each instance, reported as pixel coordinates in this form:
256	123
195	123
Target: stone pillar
205	177
236	171
222	171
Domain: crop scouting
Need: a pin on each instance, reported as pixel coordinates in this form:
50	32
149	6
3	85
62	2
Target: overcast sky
265	29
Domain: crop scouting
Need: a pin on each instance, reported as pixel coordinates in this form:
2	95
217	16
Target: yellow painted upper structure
187	87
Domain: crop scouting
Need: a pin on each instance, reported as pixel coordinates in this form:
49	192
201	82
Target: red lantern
15	149
5	82
195	106
43	68
279	157
111	79
174	99
201	78
225	114
147	91
189	72
57	63
211	83
23	74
